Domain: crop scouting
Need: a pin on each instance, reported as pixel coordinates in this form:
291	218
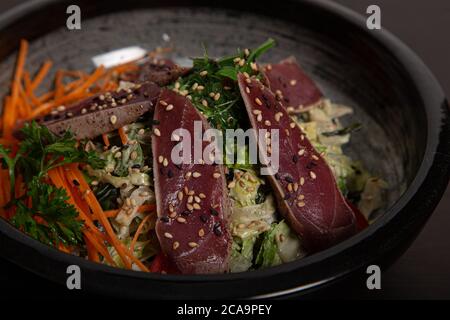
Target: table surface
423	272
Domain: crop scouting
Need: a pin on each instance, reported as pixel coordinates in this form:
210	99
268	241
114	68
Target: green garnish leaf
50	218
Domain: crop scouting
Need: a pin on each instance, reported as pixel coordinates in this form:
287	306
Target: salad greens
211	85
49	218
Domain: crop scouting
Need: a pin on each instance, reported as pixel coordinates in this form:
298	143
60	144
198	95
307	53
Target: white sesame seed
204	103
216	175
113	119
192	244
190	199
247	89
300	204
176	244
188	174
278	115
61	108
189	207
162	102
313	175
203	73
196	174
181	220
202	195
292	125
83	111
175	137
242	62
293	82
267	123
201	233
160	159
168	235
301	152
157	132
169	107
315	157
231	185
258	101
165	162
259	118
302	181
196	206
197	199
216	96
180	195
256	112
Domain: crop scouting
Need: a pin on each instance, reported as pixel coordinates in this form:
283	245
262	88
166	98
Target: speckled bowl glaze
405	137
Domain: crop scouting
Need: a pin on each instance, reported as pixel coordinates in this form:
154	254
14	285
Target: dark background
423	272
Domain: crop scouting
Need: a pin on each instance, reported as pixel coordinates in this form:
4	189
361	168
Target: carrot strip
91	251
139	231
42	73
100	248
28	89
111	213
55	176
59	86
10	111
106	140
75	174
123	136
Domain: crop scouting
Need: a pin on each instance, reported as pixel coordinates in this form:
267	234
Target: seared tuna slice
162	72
304	185
192	199
292	86
104	112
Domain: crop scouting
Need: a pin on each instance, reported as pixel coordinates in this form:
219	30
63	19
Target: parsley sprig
50	218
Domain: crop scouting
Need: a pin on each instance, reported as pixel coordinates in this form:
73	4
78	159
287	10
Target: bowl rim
429	89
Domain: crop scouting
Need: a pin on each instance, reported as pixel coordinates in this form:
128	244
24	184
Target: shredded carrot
75	174
139	231
10	112
41	74
123	136
106	140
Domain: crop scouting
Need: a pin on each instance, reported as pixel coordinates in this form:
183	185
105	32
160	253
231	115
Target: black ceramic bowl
405	137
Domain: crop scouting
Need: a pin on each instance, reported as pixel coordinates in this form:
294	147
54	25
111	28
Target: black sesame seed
217	229
277	176
214	212
295	158
170	173
75	182
136	166
287	196
289	178
204	218
179	166
311	165
155	122
162	171
164	219
186	213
